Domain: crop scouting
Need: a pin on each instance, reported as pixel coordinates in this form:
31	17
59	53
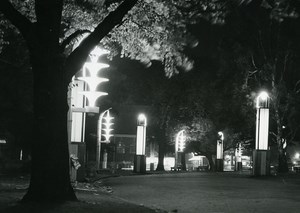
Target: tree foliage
267	54
152	30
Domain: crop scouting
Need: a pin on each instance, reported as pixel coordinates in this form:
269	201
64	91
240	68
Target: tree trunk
50	178
211	162
183	163
282	158
282	162
161	156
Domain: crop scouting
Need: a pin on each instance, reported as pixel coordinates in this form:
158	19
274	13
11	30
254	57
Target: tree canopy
152	30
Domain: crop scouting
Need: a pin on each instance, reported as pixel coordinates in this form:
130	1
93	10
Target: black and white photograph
149	106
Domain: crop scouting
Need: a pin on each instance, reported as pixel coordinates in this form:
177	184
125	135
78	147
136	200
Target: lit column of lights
96	52
78	96
261	161
180	141
179	146
107	126
220	160
104	120
220	145
92	68
296	162
262	121
141	135
140	158
238	156
93	82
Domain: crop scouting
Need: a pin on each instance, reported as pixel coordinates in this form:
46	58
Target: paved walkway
196	192
192	192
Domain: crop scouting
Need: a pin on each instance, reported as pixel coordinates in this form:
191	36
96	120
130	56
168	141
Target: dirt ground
93	198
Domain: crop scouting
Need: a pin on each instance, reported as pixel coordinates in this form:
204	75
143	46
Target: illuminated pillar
179	147
140	158
220	161
104	162
104	125
152	156
82	100
261	155
238	158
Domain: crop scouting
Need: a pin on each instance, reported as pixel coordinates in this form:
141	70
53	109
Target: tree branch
74	35
76	59
16	18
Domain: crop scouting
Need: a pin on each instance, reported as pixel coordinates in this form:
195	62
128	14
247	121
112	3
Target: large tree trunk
183	162
282	158
282	162
50	178
161	148
161	156
211	162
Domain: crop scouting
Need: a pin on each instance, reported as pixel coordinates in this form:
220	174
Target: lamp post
179	146
82	89
220	161
93	80
107	134
238	158
140	158
261	155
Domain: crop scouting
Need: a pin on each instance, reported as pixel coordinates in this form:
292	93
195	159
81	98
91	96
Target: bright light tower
104	125
90	77
220	161
238	158
179	146
261	162
140	158
84	88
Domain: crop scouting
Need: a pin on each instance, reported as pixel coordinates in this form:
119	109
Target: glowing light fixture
179	146
93	96
262	100
107	126
93	82
93	68
140	157
220	145
96	53
262	121
141	135
180	141
107	132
